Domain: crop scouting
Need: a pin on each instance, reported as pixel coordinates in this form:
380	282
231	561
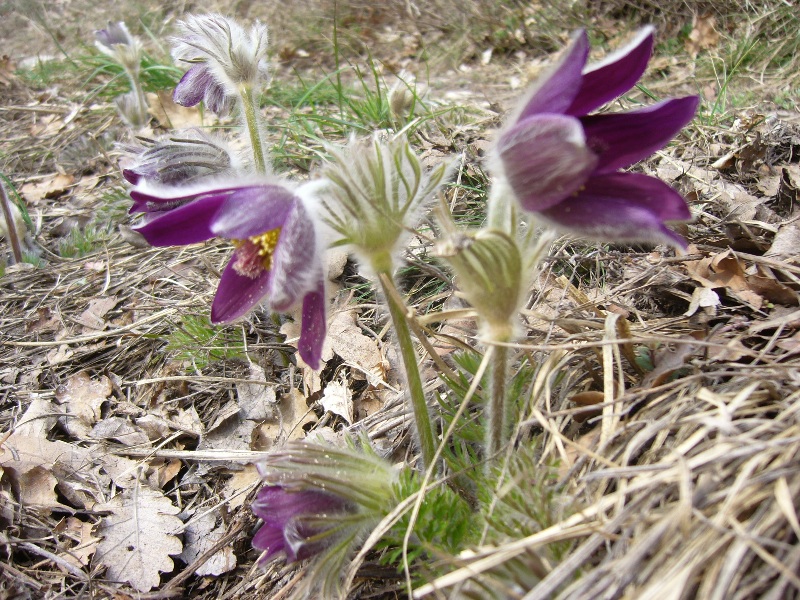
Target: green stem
497	425
250	110
422	418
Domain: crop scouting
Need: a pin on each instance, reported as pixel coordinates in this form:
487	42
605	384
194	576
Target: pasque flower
180	158
297	524
563	164
223	58
319	502
118	43
276	256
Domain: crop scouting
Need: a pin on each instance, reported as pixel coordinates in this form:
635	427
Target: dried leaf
198	538
121	430
37	488
171	115
47	188
239	485
82	397
92	317
257	400
346	339
703	35
724	270
702	297
7	69
86	545
23	453
38	419
137	541
338	399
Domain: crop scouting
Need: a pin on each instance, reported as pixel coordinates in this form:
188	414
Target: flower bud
376	193
489	270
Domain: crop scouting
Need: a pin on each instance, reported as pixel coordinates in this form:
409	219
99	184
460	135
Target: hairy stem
422	418
497	422
11	225
251	119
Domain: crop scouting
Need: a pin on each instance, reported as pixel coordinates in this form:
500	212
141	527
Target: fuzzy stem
141	101
11	225
422	418
497	424
251	119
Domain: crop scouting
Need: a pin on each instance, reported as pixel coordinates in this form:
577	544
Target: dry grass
682	484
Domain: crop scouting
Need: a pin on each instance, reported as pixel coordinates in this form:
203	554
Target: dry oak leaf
137	537
200	536
82	397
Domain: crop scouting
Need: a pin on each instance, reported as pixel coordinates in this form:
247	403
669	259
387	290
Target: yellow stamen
261	246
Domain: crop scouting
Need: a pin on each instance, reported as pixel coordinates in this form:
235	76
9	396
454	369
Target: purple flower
198	84
223	59
276	256
563	164
178	159
116	33
298	524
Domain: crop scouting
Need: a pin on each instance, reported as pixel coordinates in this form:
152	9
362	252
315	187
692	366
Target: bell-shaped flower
224	59
319	502
563	164
276	257
179	159
297	525
117	42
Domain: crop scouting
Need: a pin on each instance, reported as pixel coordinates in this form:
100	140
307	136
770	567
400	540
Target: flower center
253	255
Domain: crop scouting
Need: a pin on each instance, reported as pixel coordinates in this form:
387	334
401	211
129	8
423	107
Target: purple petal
270	538
253	210
622	207
217	101
192	87
133	177
555	91
545	159
277	506
238	294
186	224
296	264
313	327
163	199
621	139
612	77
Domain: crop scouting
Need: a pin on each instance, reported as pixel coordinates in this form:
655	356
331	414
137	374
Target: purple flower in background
223	59
181	158
276	255
563	164
198	84
298	524
115	34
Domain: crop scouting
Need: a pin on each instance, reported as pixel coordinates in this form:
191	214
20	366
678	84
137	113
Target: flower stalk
416	393
250	111
11	225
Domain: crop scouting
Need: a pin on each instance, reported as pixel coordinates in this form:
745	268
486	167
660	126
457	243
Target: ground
665	399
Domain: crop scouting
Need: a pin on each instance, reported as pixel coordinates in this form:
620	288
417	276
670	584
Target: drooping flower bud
224	58
489	273
181	158
318	503
117	42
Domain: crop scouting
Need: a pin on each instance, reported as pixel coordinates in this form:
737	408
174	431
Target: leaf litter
106	438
